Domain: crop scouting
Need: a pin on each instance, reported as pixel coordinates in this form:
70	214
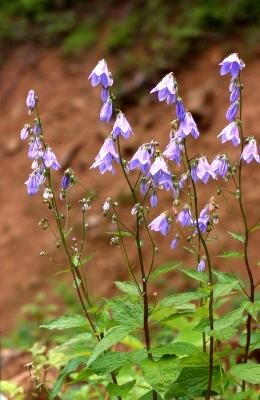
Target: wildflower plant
130	346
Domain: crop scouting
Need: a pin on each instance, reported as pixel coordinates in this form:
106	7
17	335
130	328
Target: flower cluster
42	155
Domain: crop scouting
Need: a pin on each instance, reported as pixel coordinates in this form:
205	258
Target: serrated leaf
149	396
112	361
127	312
66	322
237	236
247	372
231	254
255	227
198	276
127	287
223	289
231	319
112	337
224	277
253	308
179	349
120	234
120	390
70	367
223	334
193	381
164	268
160	374
182	298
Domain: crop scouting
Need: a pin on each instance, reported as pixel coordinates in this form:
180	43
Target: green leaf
223	334
253	308
231	254
149	396
247	372
179	349
160	374
231	319
127	287
223	289
127	312
198	276
164	268
120	390
70	367
120	234
237	236
193	381
182	298
113	336
224	277
66	322
255	227
111	361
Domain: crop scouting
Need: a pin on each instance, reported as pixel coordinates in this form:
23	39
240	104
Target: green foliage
66	322
12	390
247	372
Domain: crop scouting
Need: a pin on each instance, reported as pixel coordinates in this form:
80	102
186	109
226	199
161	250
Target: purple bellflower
204	170
25	132
143	185
104	94
174	149
141	159
50	160
105	157
250	151
184	217
34	182
121	126
203	219
100	74
235	93
232	111
220	165
37	128
154	200
161	224
106	111
202	265
175	242
166	89
31	100
65	181
35	149
230	132
231	64
188	126
160	174
180	110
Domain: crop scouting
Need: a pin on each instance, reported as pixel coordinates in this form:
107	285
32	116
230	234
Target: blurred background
51	46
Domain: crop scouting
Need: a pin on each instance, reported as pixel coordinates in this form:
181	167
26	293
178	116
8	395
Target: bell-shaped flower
141	159
220	165
161	224
25	131
121	127
184	217
204	170
180	110
232	111
174	149
250	151
160	174
107	154
100	74
50	160
166	89
230	132
154	199
31	100
188	126
175	241
202	264
35	148
35	181
106	111
231	64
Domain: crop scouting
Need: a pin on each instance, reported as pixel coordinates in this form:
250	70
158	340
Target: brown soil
69	108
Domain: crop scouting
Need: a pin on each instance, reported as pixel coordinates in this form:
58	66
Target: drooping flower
161	224
154	199
184	217
104	94
203	219
231	64
143	185
37	128
141	159
188	126
230	132
202	264
204	170
100	74
193	171
180	110
31	100
175	241
232	111
166	89
105	157
35	148
65	181
235	93
35	180
121	127
25	131
174	149
250	151
106	111
160	174
220	165
50	160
